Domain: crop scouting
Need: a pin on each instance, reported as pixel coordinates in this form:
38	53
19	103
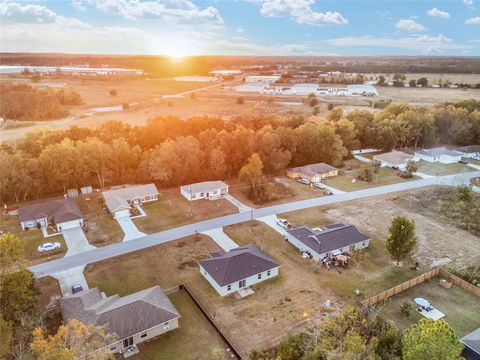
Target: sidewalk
241	206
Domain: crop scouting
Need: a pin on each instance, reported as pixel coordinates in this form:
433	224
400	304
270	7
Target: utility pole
251	219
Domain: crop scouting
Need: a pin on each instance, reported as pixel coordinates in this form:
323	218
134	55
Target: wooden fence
418	280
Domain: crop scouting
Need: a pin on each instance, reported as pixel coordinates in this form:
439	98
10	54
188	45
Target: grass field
462	309
172	210
283	188
437	168
383	176
99	226
32	239
195	339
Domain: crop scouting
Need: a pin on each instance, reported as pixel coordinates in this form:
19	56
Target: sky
242	27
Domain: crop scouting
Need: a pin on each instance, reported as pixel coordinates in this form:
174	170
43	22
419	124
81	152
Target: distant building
439	154
471	342
211	190
313	172
132	319
63	214
470	151
393	159
225	72
239	268
335	239
197	78
265	79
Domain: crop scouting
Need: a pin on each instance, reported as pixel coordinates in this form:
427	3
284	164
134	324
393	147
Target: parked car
49	247
284	224
303	181
463	162
76	288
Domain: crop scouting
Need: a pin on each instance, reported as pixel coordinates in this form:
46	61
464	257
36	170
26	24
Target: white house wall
317	257
69	224
252	280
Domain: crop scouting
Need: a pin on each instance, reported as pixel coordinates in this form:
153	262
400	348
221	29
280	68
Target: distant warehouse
265	79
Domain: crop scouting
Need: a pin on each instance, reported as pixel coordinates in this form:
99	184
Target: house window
259	276
268	273
242	283
229	287
364	243
166	325
352	247
143	335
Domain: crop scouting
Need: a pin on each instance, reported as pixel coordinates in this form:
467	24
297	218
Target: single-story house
237	268
132	319
393	159
120	201
211	190
471	342
313	172
439	154
62	214
470	151
331	241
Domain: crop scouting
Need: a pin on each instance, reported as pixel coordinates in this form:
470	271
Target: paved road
106	252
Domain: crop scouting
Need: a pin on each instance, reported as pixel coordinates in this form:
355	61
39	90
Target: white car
49	247
284	224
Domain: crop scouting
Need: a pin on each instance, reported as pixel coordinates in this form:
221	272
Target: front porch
130	351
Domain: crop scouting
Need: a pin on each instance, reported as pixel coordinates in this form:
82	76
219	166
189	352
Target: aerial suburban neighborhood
250	180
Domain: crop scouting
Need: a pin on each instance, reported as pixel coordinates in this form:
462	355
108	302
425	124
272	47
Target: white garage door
122	213
70	224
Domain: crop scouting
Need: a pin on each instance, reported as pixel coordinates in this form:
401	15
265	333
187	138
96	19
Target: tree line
23	102
172	152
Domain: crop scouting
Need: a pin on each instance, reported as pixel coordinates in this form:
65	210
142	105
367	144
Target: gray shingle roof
204	186
237	264
314	169
59	210
472	340
469	149
118	199
335	236
436	152
393	157
123	316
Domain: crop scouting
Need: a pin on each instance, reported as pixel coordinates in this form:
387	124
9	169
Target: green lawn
195	339
473	161
100	228
32	239
462	309
383	176
172	210
437	168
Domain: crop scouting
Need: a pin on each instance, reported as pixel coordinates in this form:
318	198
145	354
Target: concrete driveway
221	239
71	277
129	229
76	241
241	206
271	221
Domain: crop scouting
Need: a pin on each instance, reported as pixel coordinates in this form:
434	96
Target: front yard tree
11	254
401	239
430	339
252	174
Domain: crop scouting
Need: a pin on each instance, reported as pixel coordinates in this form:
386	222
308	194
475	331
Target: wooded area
172	152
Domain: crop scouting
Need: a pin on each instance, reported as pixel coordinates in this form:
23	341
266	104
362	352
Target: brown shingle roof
59	210
335	236
237	264
123	316
314	169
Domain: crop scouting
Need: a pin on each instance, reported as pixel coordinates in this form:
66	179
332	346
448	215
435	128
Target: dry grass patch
437	168
173	210
100	227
